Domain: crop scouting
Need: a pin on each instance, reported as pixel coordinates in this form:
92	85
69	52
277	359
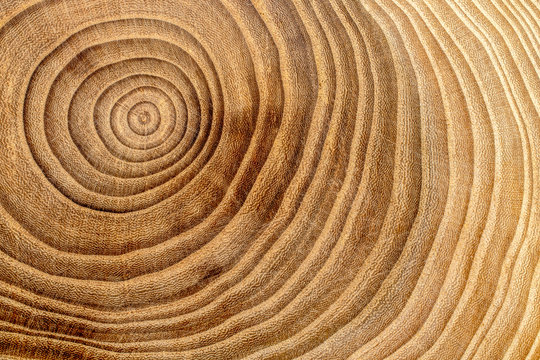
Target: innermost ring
144	118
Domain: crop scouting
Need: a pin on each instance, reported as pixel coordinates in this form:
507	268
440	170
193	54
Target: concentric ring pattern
223	179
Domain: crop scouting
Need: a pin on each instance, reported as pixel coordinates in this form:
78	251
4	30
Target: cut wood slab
270	179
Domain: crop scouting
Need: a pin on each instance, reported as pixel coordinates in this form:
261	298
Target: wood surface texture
270	179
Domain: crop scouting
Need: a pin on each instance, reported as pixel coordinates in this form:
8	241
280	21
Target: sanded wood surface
270	179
